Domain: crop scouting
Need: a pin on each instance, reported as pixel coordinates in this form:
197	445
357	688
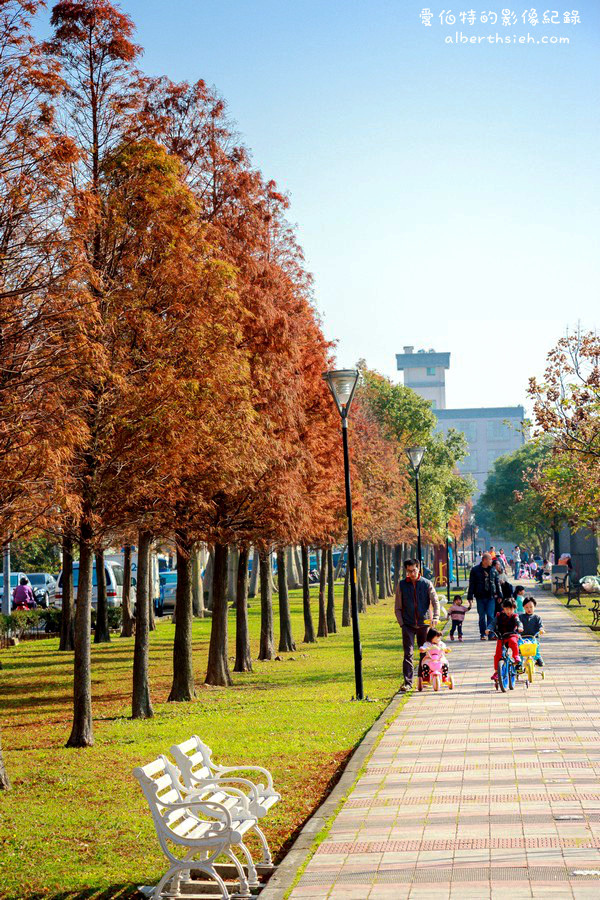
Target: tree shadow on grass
114	892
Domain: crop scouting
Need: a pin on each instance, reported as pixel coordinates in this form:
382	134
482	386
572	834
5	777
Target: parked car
168	592
114	585
43	586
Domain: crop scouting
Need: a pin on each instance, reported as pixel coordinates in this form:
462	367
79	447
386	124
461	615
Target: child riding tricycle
433	668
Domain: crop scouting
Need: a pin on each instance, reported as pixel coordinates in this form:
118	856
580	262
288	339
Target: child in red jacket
507	623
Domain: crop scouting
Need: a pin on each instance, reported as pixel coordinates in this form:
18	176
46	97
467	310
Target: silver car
168	591
43	586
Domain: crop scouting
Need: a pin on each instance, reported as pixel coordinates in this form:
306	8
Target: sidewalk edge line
316	828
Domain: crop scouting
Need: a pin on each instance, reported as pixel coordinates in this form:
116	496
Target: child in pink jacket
457	613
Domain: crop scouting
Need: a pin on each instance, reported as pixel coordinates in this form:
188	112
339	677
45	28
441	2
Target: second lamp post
415	457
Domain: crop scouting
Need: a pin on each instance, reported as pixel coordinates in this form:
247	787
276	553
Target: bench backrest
194	759
160	781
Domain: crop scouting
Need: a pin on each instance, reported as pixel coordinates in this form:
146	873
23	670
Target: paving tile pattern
473	793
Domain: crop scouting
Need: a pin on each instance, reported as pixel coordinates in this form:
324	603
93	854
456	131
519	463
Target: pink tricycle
434	669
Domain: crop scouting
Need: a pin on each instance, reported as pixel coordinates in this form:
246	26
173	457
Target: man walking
414	596
485	587
516	562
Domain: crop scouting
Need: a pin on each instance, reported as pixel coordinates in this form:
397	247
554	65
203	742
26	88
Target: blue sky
446	195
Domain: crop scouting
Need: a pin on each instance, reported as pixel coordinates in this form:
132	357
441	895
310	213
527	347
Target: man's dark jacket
413	602
483	583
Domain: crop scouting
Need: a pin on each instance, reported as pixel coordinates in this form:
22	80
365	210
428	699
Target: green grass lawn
583	613
76	823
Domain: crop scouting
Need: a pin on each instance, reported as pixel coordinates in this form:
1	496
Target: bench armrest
227	770
204	805
215	782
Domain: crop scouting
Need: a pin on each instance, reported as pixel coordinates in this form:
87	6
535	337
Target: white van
114	585
119	559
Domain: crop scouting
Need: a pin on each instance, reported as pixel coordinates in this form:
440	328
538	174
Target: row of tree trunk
374	581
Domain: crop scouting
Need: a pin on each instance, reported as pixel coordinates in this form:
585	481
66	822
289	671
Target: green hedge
17	623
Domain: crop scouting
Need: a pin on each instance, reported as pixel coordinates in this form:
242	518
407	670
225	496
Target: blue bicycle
506	671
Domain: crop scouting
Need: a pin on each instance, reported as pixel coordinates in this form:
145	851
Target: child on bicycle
457	613
532	625
507	627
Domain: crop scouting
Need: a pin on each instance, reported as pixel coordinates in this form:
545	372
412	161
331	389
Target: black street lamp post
342	384
415	457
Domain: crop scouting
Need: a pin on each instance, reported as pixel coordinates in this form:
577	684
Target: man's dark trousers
408	644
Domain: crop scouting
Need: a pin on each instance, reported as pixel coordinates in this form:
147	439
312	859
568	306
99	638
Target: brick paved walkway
476	794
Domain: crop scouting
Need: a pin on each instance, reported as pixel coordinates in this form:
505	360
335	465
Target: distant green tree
408	420
38	554
443	489
404	415
509	506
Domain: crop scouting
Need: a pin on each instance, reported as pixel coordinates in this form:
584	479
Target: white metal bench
196	829
201	773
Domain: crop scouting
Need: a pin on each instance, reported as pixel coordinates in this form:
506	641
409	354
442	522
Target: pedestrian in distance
516	562
484	587
415	596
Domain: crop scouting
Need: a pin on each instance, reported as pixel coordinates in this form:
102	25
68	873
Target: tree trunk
340	564
298	558
388	570
331	623
322	629
141	705
150	580
253	588
243	655
286	642
274	587
365	576
208	580
197	586
217	672
102	632
128	619
232	574
397	565
359	579
309	629
82	732
293	578
4	779
381	571
364	572
68	607
182	689
373	571
346	603
267	649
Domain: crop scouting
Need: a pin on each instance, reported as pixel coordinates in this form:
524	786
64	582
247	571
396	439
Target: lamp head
342	384
415	457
